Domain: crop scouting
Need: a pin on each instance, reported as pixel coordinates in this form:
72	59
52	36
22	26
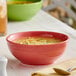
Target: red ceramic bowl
37	54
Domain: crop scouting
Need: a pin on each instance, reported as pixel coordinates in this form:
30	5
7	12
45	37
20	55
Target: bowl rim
7	38
26	4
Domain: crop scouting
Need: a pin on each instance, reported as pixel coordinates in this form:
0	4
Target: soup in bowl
37	47
19	2
37	40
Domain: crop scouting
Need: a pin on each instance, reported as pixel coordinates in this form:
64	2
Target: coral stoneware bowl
19	11
37	54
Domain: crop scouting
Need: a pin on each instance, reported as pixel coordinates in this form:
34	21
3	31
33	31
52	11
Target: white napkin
3	63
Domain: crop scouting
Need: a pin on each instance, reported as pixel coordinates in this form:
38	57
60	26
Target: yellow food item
19	2
37	40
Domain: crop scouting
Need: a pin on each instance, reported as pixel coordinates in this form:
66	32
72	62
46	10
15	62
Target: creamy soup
37	40
19	2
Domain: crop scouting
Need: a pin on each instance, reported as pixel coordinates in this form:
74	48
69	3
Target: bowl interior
60	36
25	0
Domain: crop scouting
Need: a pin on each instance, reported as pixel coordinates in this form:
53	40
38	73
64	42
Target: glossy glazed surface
37	54
20	12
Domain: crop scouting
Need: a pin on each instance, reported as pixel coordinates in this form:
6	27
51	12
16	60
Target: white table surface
41	22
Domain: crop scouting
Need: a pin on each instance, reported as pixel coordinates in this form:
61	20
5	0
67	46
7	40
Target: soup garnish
37	40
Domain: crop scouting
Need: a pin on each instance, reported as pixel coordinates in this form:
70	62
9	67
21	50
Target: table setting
34	58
